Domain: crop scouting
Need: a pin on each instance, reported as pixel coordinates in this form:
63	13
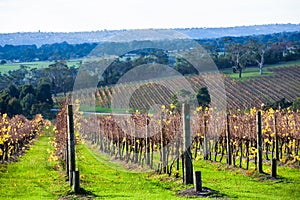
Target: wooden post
76	182
111	142
147	143
67	155
101	136
228	140
197	181
151	153
274	168
162	149
71	143
183	167
205	140
135	154
276	138
67	160
259	142
188	166
178	157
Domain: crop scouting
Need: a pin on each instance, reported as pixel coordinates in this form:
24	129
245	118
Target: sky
93	15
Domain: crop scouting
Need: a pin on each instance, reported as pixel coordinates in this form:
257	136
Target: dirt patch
83	195
71	197
206	192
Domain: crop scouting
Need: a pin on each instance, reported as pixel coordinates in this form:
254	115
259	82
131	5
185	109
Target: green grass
250	72
106	179
38	64
10	66
103	109
242	184
33	176
253	72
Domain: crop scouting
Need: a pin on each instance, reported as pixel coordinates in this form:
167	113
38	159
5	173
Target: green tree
43	93
13	91
4	98
257	53
296	104
26	89
62	78
44	101
203	97
13	107
184	67
275	53
42	108
26	103
237	53
280	104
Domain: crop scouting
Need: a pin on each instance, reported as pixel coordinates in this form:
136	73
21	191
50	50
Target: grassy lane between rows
248	184
33	176
106	179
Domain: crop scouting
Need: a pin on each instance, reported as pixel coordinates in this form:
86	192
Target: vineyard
151	134
240	95
149	113
16	133
156	142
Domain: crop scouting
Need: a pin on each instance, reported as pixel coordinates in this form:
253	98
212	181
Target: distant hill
40	38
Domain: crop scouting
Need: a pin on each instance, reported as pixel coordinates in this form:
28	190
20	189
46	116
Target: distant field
38	64
253	72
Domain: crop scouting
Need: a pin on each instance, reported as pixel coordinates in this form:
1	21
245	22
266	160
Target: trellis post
73	175
259	142
187	156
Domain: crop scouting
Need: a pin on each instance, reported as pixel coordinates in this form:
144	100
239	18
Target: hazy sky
88	15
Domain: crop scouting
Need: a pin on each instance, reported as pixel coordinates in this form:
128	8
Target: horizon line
124	29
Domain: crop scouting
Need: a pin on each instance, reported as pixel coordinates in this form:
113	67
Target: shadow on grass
114	196
206	192
263	176
86	194
83	194
3	168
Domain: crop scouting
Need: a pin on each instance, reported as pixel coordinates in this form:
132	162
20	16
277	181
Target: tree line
30	92
242	52
27	100
56	51
59	75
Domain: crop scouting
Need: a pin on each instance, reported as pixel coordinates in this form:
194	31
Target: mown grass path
110	180
242	184
105	179
33	176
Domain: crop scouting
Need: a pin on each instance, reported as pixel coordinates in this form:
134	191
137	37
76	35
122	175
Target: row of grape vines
156	141
16	133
